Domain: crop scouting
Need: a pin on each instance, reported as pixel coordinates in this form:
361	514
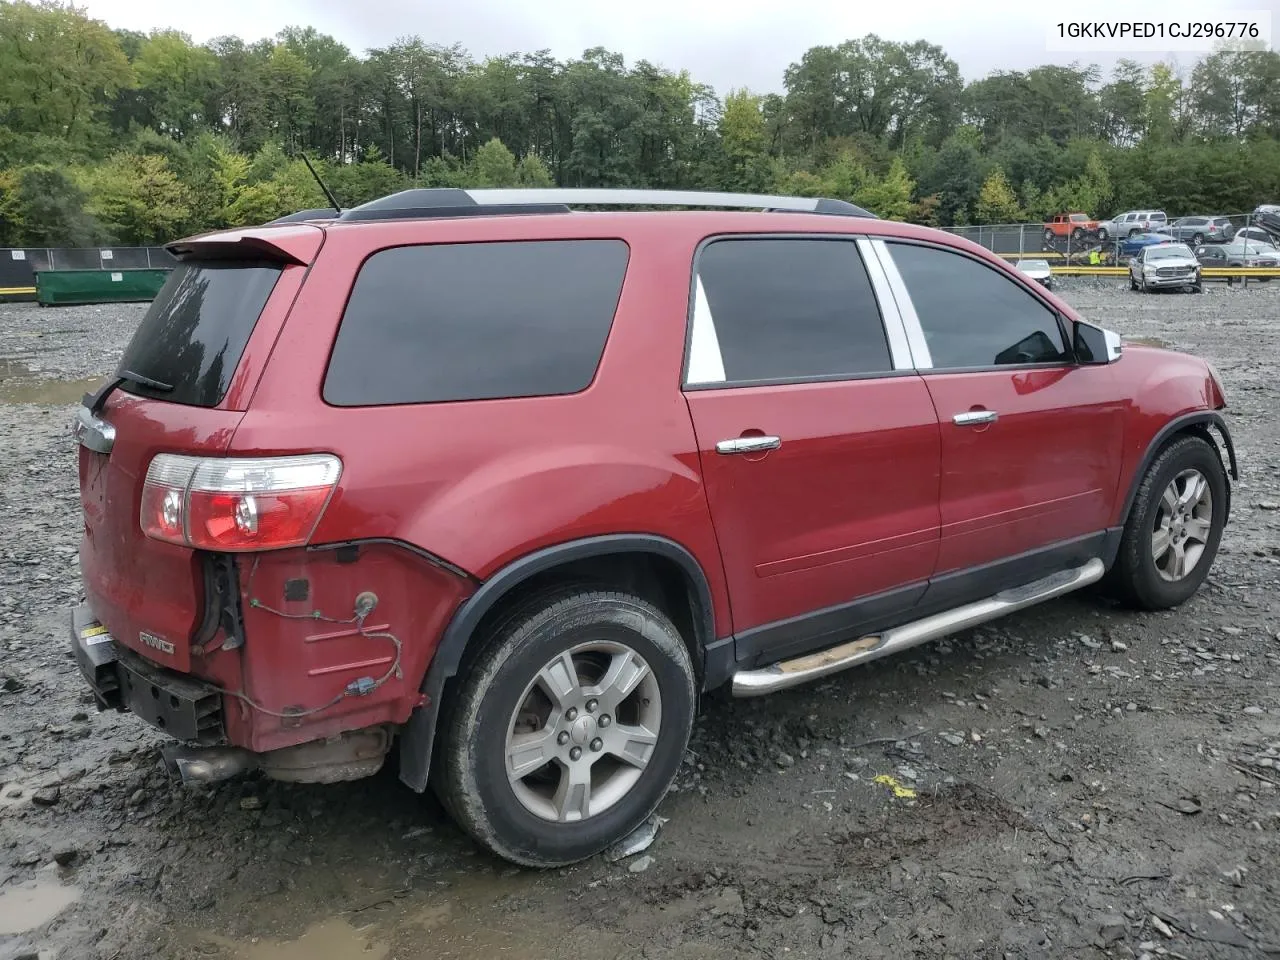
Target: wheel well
650	576
1210	431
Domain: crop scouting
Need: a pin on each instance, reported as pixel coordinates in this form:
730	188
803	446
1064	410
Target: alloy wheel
583	731
1184	521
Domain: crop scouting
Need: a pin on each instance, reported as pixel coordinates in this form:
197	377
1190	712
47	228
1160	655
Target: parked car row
1196	230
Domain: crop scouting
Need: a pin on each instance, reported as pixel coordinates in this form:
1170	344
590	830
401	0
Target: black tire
1134	233
471	776
1134	578
1197	239
1077	234
1102	233
1133	284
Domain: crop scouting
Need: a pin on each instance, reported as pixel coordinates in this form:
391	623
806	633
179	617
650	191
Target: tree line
118	136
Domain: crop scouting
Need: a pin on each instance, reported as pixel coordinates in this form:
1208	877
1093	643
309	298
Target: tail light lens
237	503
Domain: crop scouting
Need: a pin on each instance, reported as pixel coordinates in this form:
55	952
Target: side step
790	673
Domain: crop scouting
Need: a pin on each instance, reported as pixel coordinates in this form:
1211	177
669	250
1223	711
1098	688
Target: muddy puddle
30	906
20	384
464	917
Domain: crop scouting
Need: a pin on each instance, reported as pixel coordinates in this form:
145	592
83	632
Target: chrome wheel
1184	520
583	731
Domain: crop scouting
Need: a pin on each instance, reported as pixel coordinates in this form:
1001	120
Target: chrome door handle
748	444
971	418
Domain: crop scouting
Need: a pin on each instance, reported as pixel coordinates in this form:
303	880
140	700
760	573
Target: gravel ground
1084	782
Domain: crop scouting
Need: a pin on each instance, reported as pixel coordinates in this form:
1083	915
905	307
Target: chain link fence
1241	236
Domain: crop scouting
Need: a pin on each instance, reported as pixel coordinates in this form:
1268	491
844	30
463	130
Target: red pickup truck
1077	226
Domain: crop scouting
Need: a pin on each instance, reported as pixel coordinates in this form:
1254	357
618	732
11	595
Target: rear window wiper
94	401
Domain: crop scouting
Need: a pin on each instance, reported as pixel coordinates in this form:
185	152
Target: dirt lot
1085	782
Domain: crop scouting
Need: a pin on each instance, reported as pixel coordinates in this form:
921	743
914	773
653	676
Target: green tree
42	206
175	82
888	196
493	166
997	202
532	172
58	69
744	143
137	199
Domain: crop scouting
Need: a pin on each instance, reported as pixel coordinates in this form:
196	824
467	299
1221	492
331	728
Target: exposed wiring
356	688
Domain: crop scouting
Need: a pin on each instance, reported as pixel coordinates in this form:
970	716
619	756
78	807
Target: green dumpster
61	287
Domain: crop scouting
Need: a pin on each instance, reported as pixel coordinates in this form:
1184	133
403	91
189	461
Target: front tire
569	727
1174	527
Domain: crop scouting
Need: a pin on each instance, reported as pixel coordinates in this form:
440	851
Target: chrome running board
790	673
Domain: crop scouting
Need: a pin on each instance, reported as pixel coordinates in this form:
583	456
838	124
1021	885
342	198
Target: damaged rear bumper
190	710
183	707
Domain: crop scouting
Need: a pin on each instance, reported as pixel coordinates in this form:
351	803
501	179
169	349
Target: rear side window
789	309
476	321
192	337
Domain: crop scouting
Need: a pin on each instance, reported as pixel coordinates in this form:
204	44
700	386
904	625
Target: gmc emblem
164	646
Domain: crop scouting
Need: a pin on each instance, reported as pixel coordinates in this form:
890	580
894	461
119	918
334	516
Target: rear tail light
237	503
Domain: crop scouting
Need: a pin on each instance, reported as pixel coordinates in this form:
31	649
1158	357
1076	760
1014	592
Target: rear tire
1198	239
583	796
1172	534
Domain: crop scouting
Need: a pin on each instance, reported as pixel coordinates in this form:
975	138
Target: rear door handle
748	444
971	418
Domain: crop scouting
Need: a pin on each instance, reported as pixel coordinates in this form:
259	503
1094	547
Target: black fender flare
1206	419
417	737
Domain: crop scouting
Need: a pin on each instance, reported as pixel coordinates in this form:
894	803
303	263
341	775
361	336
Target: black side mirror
1093	345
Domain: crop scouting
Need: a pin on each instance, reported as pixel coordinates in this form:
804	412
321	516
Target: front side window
974	316
785	310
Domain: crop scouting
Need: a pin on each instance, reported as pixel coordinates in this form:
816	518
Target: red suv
509	485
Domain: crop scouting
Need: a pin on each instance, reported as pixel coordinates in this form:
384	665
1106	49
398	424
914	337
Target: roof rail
454	202
316	213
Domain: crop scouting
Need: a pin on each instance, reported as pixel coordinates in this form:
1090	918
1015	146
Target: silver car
1254	235
1037	270
1164	265
1130	223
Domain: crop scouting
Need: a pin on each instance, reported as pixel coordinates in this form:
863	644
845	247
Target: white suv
1132	222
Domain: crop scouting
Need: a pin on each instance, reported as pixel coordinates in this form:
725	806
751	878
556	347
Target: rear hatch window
190	342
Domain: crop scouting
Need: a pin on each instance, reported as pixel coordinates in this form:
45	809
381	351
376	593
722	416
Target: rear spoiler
287	243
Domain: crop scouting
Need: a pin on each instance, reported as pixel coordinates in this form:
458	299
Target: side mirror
1094	345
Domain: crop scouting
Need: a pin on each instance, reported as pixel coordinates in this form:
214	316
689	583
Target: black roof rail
317	213
434	202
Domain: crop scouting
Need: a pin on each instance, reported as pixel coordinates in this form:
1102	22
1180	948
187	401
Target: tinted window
973	316
791	309
476	321
1165	252
196	329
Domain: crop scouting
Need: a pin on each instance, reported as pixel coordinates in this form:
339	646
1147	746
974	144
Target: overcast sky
727	43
